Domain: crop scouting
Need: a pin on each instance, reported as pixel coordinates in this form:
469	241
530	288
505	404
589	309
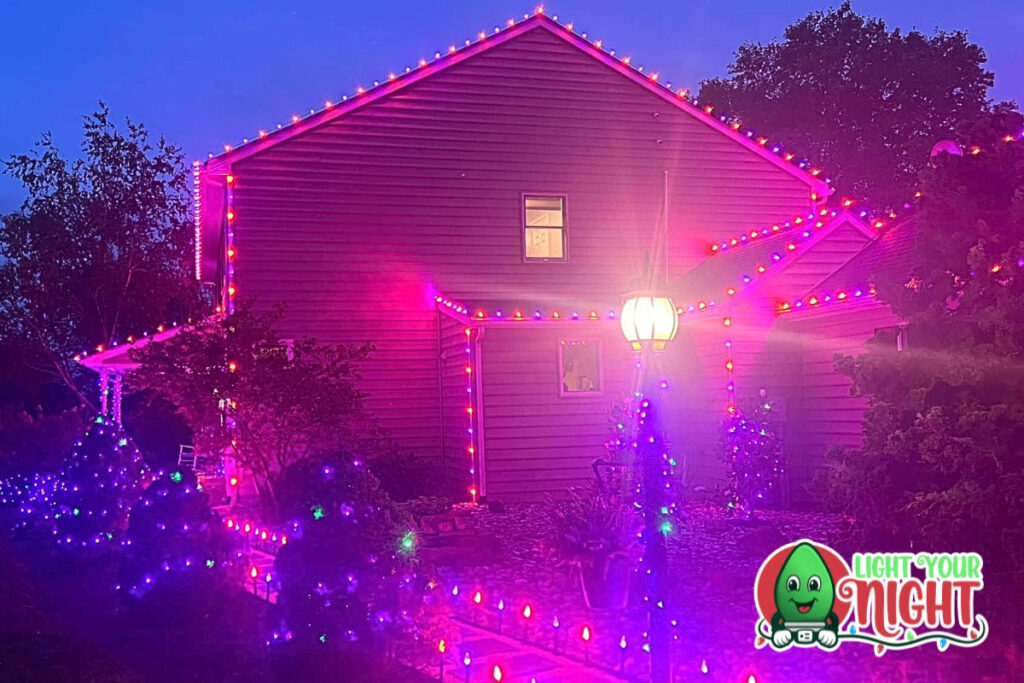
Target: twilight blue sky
205	73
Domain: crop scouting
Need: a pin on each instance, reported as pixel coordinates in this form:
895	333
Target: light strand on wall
730	369
471	449
231	288
197	216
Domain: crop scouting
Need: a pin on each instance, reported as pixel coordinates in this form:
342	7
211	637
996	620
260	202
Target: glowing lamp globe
649	320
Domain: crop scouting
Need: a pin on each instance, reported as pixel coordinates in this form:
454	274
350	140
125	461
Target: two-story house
478	217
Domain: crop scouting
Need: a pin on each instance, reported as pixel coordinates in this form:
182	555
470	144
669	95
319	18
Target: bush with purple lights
752	451
101	478
349	573
175	543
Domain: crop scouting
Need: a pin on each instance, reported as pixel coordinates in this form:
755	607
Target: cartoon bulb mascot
804	597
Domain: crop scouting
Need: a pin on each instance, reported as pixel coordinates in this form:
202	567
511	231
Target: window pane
545	211
544	243
581	366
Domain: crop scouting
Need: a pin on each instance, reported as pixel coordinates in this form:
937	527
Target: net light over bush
649	320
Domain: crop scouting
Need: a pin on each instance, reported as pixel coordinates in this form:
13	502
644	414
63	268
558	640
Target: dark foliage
158	428
942	464
239	387
864	102
402	475
99	250
176	551
348	575
34	441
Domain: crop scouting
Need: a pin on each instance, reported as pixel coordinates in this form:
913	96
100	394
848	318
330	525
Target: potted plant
598	539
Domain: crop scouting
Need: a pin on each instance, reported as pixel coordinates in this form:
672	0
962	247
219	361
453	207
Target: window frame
523	226
561	368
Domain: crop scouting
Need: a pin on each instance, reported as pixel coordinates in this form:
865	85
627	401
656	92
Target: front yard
713	561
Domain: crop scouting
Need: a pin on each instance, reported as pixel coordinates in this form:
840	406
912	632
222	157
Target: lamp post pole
651	452
649	321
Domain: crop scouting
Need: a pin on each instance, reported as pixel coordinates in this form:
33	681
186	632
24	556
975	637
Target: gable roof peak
486	40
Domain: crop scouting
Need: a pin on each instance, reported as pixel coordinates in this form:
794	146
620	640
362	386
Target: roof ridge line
729	126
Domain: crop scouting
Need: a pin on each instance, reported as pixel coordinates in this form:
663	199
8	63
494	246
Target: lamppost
649	321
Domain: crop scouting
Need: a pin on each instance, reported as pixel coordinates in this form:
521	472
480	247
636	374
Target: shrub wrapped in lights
101	478
752	451
176	545
349	575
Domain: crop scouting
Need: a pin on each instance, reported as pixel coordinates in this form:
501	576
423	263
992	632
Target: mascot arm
832	622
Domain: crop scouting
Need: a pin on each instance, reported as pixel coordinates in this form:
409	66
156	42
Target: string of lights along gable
859	293
876	218
850	294
808	223
704	304
726	123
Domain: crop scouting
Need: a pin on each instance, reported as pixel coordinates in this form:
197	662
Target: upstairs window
544	218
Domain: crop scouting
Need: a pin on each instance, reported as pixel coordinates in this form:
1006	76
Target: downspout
441	402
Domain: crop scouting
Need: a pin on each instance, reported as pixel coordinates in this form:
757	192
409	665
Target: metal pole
650	448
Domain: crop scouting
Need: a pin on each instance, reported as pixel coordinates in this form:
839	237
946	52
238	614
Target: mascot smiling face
804	597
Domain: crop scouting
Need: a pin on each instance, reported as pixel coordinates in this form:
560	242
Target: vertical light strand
104	384
231	288
118	389
197	217
470	413
730	387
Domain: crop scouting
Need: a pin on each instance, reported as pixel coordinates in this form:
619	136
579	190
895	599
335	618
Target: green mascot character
804	597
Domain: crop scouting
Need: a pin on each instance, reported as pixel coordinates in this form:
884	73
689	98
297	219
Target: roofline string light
855	293
816	218
727	123
519	315
130	340
759	269
873	217
813	300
